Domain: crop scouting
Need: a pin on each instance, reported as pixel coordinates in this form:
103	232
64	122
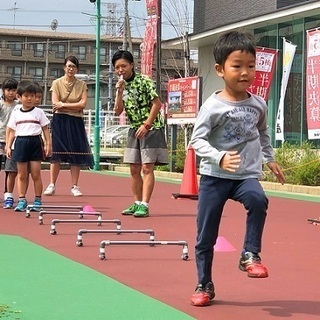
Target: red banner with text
265	66
149	40
313	84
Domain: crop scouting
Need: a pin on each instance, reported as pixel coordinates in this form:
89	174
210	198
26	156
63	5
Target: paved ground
291	250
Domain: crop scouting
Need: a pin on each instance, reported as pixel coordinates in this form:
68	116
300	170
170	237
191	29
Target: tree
178	15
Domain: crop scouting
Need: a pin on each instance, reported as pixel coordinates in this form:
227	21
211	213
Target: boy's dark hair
26	86
10	83
122	54
233	41
39	88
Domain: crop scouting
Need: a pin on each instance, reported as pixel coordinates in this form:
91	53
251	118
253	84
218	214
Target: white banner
289	50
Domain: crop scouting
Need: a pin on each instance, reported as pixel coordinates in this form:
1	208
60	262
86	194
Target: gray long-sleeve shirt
241	126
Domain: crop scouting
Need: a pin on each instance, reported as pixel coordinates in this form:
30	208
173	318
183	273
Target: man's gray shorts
152	148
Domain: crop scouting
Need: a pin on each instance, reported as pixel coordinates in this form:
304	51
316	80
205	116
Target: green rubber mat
38	284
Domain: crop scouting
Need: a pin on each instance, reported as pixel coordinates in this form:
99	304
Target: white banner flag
289	50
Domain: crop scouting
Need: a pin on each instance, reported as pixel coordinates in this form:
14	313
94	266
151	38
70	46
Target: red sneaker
251	263
203	295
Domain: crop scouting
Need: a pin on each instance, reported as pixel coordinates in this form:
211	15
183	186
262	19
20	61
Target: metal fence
106	119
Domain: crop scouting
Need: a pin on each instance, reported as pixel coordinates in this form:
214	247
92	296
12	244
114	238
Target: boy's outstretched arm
275	168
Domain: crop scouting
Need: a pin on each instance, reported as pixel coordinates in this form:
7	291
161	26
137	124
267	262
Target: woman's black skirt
69	141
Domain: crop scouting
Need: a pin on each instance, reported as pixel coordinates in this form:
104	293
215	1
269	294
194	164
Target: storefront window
295	123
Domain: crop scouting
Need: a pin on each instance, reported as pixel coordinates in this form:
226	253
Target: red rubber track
291	249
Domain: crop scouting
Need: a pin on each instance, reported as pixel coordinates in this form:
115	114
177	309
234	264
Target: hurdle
30	208
53	229
314	220
81	214
104	243
79	241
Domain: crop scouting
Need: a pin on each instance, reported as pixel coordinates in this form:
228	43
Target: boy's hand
230	161
9	153
275	168
48	150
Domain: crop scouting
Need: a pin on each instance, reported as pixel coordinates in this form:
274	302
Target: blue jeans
213	194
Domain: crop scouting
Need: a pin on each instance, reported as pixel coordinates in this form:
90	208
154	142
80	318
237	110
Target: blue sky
78	15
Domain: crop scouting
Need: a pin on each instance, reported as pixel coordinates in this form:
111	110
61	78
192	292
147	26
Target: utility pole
127	41
44	99
186	55
15	8
125	38
110	77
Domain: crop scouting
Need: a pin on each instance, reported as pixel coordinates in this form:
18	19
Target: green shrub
300	164
178	156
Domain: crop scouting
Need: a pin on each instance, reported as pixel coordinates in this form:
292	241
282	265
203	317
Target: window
80	52
103	54
56	73
272	36
60	50
38	49
15	72
178	54
16	48
36	73
288	3
136	53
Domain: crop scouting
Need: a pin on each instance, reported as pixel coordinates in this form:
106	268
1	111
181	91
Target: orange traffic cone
189	185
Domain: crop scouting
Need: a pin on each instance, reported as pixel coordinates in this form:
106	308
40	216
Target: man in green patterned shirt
146	144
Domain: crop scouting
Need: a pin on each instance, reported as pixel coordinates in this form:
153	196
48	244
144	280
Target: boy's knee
258	199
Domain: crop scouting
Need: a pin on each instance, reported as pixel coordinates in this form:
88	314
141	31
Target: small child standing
231	137
39	94
24	129
7	103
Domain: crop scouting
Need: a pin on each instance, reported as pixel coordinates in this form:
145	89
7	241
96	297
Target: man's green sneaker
142	211
131	210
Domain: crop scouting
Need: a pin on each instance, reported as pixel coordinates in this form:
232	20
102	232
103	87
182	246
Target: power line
42	11
46	25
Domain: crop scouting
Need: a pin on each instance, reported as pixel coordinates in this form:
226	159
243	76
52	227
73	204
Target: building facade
270	22
39	56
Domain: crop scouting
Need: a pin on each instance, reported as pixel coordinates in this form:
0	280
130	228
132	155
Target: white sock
8	195
137	202
146	204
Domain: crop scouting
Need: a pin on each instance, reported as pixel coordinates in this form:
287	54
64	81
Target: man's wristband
147	126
